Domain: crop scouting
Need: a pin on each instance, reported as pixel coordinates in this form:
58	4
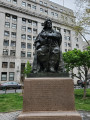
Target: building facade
20	23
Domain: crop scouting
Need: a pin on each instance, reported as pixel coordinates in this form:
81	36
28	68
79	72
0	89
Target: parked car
10	85
82	83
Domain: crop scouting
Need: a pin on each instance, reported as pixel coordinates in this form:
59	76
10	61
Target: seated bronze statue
47	56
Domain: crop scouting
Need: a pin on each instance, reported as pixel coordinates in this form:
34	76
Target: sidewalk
14	115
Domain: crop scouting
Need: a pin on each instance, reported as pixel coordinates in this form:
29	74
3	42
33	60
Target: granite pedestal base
49	99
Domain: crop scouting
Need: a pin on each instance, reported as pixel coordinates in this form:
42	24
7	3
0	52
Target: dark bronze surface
48	57
34	75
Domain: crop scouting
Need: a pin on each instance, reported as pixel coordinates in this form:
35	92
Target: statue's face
49	24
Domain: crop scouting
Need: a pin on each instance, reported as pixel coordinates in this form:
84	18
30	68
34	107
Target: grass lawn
10	102
81	104
14	101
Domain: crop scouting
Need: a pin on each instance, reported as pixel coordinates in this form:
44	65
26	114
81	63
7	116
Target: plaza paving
14	115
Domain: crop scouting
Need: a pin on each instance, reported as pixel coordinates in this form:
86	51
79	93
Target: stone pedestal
49	99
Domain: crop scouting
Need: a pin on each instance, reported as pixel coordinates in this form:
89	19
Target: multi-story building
20	22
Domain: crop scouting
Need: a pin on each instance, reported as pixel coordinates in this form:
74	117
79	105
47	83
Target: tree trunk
85	83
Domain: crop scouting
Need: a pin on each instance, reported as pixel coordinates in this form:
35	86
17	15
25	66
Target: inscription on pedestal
48	95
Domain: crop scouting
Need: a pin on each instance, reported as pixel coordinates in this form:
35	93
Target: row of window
67	31
13	52
9	16
29	37
67	44
29	29
6	43
4	76
5	65
7	33
23	36
23	45
67	37
13	44
13	1
7	25
24	21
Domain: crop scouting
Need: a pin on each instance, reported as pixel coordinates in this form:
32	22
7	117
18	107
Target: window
68	31
22	53
7	24
14	18
23	45
7	16
56	15
12	52
29	6
52	6
28	54
24	4
5	51
29	29
13	34
68	38
11	76
6	42
12	64
4	76
23	20
34	7
65	37
29	45
13	43
65	44
64	30
34	23
58	29
34	37
65	50
46	11
77	45
15	1
69	45
14	26
45	4
23	28
41	9
30	22
4	64
6	33
35	31
29	37
61	10
76	39
41	2
23	36
56	8
52	13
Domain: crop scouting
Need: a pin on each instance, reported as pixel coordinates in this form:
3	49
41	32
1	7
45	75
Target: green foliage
77	58
10	102
27	69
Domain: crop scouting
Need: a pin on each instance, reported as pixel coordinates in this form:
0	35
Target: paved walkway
14	115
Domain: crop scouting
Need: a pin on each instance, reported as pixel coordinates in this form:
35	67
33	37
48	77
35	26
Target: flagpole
63	2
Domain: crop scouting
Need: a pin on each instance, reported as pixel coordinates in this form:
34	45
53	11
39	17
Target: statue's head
48	24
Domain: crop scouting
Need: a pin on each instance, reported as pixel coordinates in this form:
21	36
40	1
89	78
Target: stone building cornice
34	14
